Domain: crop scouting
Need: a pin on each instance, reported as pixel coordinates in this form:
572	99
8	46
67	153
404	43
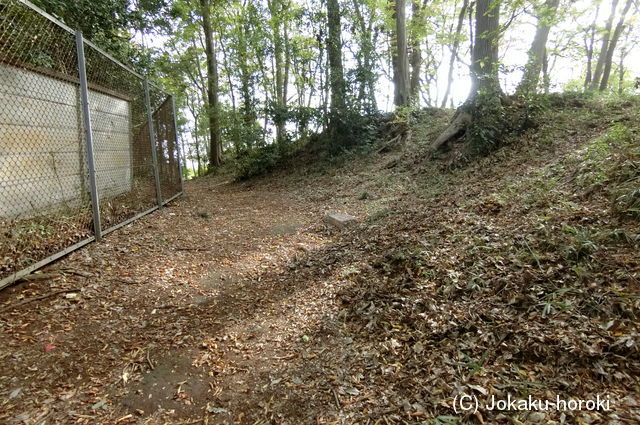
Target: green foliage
188	173
108	22
37	227
261	160
106	18
353	133
611	163
625	173
525	113
350	130
619	236
489	125
575	99
581	243
628	200
498	121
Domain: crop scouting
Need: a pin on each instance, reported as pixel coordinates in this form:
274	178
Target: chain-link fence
86	144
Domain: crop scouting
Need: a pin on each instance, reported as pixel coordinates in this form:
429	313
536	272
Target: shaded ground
516	276
165	310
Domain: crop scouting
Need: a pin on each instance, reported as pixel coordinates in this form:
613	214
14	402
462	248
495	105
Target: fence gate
86	144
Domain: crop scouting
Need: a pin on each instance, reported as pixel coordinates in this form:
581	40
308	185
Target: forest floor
517	275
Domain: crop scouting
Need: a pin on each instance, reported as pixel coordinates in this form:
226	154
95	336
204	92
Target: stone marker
340	220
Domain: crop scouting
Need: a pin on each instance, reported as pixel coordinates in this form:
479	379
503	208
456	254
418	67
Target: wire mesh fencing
86	144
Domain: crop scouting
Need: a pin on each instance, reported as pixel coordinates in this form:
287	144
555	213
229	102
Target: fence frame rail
87	133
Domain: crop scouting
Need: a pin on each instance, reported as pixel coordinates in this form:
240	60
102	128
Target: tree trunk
612	46
531	75
183	154
483	109
287	66
589	48
366	92
454	51
460	122
621	68
621	72
336	71
472	8
597	75
484	67
262	59
546	78
212	87
249	116
416	56
280	74
400	57
369	63
362	37
198	157
192	106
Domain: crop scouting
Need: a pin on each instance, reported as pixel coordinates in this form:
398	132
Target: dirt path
236	305
208	310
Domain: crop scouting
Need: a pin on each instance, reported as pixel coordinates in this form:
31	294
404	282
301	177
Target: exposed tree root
459	124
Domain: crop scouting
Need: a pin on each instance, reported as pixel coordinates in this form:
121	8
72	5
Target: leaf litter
239	316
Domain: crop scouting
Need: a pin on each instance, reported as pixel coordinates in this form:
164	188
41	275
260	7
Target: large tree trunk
336	71
531	75
612	46
597	75
484	67
400	56
215	150
454	51
485	92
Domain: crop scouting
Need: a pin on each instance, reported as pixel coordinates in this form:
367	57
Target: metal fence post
152	138
175	126
88	133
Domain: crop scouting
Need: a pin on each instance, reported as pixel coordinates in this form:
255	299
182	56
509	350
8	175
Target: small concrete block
339	219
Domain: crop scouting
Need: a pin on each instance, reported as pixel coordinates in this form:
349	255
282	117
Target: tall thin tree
215	150
400	56
336	70
545	15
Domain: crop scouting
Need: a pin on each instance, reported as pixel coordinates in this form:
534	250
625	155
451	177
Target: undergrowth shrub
488	127
497	121
581	243
626	177
574	99
351	132
612	163
261	160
